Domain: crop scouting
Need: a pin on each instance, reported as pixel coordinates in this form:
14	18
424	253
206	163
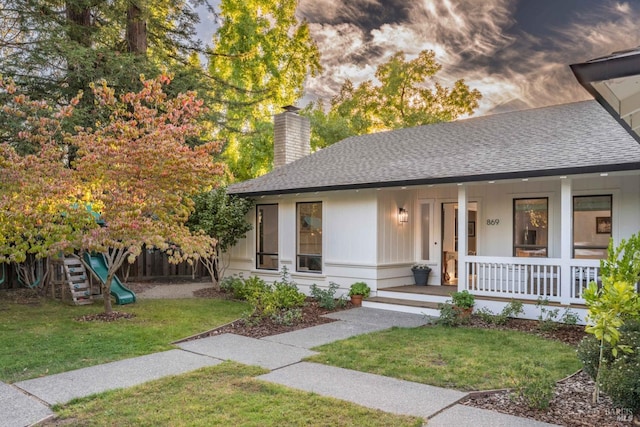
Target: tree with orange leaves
134	168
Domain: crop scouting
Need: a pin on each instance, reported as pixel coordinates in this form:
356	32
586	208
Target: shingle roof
559	140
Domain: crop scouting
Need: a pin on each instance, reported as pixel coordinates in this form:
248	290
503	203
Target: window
267	237
530	227
309	251
591	226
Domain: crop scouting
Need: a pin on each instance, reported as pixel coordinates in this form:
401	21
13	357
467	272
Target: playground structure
71	282
98	266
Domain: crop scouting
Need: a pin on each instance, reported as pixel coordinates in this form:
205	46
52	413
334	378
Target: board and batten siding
349	240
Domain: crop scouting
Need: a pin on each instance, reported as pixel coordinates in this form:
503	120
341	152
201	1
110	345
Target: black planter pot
421	276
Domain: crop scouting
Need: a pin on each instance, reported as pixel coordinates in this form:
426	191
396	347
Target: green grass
224	395
46	338
460	358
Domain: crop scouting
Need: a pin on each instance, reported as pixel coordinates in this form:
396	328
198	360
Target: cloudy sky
516	52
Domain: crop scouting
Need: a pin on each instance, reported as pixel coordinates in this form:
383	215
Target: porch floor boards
411	303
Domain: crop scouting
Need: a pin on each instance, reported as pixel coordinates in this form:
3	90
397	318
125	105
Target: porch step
407	294
403	305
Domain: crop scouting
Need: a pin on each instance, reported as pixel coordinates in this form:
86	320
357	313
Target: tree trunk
79	23
136	30
106	294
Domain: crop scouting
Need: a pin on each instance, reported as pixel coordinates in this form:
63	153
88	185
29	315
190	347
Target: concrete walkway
26	402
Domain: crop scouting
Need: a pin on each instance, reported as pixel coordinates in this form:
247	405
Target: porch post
463	277
566	239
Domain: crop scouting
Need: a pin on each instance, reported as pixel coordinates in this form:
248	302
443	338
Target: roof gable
562	139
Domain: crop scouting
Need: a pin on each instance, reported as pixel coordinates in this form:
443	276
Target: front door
449	239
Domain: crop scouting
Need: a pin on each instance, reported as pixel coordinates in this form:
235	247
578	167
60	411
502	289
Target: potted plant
358	291
421	274
463	303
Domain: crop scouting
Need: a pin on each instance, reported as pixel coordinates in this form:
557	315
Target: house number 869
493	221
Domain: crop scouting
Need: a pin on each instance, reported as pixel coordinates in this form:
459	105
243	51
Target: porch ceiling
614	81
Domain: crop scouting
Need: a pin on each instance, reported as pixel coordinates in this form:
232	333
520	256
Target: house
514	205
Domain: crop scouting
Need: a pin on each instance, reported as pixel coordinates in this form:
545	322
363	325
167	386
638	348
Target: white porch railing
584	272
529	278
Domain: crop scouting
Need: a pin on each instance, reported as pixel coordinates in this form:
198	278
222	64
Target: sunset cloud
517	57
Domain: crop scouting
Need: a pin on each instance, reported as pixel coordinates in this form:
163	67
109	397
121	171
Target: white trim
615	208
462	236
566	238
368	265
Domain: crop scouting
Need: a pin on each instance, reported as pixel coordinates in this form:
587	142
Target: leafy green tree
326	128
616	301
261	57
222	217
405	95
623	261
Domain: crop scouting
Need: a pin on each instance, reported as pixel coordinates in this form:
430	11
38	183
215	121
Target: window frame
308	257
573	221
259	253
514	231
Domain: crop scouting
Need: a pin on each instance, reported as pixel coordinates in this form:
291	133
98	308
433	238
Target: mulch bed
256	327
568	334
571	406
105	317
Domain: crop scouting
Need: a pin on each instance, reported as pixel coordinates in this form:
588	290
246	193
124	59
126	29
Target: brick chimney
292	136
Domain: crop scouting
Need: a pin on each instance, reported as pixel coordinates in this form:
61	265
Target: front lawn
44	337
223	395
460	358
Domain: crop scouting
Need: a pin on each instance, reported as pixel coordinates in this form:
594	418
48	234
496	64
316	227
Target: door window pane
309	237
425	209
530	227
267	237
591	226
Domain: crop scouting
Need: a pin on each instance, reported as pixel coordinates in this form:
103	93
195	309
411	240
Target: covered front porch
552	261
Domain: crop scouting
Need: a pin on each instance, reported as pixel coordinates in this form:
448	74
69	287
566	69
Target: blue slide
121	293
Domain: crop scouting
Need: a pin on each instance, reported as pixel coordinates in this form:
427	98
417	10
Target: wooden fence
150	265
154	265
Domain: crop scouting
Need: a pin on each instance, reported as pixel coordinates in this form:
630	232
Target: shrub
620	380
569	317
588	353
513	309
533	384
233	285
287	295
619	376
450	316
326	297
253	290
287	317
547	319
510	310
487	315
